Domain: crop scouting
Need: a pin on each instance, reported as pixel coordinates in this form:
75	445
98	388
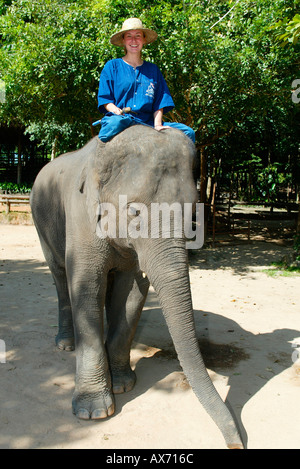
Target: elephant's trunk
167	268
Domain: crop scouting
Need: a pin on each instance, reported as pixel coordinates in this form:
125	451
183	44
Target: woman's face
134	41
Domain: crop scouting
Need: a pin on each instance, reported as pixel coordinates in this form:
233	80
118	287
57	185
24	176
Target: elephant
95	272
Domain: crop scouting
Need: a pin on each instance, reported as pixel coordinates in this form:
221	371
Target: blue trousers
113	124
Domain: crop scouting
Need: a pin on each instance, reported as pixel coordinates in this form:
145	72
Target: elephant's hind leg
126	296
65	337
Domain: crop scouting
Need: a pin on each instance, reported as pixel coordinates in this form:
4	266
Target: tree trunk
203	186
202	176
19	170
54	147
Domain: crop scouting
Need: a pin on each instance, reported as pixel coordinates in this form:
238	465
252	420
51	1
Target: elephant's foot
92	406
65	343
236	446
123	381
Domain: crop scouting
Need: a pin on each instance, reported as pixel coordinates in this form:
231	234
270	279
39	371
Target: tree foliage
288	31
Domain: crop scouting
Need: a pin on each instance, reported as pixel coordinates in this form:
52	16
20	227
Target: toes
123	382
67	348
65	344
100	408
102	414
98	414
111	410
83	414
124	387
118	389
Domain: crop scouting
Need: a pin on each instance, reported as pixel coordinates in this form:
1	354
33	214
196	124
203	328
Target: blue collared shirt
143	89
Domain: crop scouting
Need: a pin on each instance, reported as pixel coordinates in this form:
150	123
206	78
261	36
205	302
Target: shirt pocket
148	90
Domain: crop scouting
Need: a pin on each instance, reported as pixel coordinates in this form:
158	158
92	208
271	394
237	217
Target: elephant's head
142	167
144	176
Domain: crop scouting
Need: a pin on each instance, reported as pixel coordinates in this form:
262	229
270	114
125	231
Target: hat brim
117	39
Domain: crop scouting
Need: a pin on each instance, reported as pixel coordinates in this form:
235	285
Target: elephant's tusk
144	275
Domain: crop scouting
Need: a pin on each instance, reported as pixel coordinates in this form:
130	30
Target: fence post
7	206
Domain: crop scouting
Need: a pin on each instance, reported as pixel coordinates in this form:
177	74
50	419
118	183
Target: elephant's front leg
92	398
126	296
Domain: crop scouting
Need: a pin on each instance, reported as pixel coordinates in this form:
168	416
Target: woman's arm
158	119
158	124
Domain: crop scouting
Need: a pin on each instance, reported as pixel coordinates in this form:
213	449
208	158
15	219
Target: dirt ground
246	322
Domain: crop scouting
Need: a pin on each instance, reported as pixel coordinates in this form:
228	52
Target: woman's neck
133	60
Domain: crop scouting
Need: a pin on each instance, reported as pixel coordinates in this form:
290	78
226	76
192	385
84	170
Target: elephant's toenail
83	414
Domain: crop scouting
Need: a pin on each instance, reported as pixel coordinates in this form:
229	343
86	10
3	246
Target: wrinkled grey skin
90	272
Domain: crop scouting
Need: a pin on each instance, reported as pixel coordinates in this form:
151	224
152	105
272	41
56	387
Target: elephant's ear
88	185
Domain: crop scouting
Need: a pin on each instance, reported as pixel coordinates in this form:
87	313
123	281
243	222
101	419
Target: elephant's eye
133	211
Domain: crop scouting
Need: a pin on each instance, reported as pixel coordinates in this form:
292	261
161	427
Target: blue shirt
143	89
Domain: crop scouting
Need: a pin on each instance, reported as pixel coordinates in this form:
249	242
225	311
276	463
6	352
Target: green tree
288	31
50	59
228	74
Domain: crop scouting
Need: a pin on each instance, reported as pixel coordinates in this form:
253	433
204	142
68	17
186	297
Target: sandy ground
245	319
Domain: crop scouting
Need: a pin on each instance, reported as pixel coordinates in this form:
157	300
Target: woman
134	83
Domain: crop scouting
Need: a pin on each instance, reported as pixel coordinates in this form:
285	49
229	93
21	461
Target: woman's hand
161	127
110	107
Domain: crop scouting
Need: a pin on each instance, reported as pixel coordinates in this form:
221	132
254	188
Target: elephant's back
71	162
59	177
63	170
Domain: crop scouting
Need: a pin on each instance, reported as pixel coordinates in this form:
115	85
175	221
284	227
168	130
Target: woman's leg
184	128
113	124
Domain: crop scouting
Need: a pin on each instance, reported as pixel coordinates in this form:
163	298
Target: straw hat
129	25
